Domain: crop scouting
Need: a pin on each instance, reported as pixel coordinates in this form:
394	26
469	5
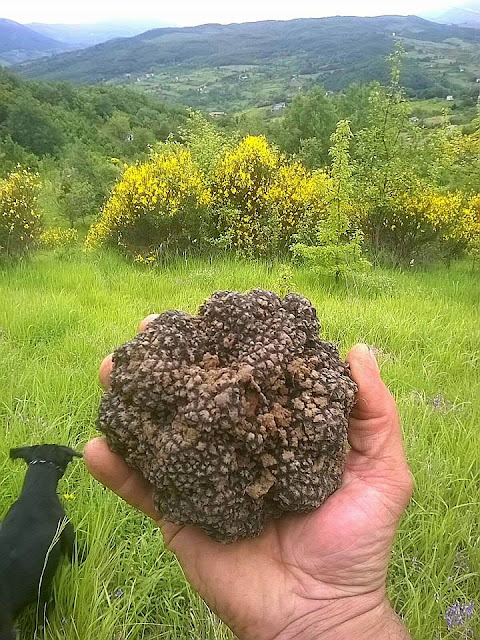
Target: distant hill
467	15
87	35
19	43
225	67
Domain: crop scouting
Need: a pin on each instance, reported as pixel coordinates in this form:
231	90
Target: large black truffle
236	415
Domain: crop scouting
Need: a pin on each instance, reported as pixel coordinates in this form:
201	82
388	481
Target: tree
32	126
85	180
308	124
336	247
394	158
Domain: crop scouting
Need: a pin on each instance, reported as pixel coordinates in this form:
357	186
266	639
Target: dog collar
47	462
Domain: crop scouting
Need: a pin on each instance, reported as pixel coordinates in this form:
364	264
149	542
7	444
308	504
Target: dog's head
58	455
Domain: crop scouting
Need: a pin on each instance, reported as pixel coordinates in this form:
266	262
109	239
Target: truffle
236	415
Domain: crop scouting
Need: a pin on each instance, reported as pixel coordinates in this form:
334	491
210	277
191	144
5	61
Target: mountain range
467	15
218	66
19	43
87	35
23	42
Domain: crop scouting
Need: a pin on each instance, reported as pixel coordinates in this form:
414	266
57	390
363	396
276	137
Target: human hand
306	576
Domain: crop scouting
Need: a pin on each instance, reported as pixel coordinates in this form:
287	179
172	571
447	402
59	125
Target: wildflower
457	614
57	238
69	496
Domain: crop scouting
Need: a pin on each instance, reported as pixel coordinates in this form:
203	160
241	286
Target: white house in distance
450	98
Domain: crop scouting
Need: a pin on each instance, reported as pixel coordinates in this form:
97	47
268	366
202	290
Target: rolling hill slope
88	35
217	66
19	43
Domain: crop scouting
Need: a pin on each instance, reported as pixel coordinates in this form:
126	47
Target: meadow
59	317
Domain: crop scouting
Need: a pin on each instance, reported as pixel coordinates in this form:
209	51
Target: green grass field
58	318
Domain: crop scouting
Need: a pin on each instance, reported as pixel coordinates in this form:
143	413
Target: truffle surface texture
235	416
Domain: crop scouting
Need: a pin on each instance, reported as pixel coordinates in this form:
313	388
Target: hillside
18	43
87	35
467	15
233	67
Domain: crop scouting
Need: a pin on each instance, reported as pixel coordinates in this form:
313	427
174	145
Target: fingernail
368	351
372	355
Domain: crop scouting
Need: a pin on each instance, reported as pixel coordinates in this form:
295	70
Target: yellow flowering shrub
58	238
264	200
241	183
428	208
244	174
160	202
20	220
297	199
413	220
471	225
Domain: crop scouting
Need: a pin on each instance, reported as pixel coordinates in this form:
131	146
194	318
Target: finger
113	472
146	321
374	426
107	363
105	371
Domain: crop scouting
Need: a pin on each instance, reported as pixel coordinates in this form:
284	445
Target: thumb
377	455
374	426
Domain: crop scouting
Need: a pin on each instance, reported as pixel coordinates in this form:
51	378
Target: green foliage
336	248
34	127
13	155
205	141
396	171
82	129
20	221
386	185
307	127
285	281
84	179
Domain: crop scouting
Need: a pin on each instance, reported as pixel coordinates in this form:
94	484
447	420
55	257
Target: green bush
335	247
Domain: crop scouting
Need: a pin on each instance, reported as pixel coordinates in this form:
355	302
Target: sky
191	12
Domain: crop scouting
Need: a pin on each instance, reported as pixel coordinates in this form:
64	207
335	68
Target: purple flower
457	614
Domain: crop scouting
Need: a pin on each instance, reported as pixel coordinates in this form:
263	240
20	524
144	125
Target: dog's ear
71	453
26	453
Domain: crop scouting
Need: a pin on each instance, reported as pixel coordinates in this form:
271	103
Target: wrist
361	621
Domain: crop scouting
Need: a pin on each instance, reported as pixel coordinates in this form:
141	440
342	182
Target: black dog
34	534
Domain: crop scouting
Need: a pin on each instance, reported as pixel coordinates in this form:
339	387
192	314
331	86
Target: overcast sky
190	12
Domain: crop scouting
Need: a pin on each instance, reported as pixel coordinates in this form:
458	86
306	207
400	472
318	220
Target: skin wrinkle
330	619
370	484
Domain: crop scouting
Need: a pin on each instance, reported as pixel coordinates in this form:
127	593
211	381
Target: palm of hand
301	563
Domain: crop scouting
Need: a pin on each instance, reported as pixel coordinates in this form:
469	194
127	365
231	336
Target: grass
58	318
